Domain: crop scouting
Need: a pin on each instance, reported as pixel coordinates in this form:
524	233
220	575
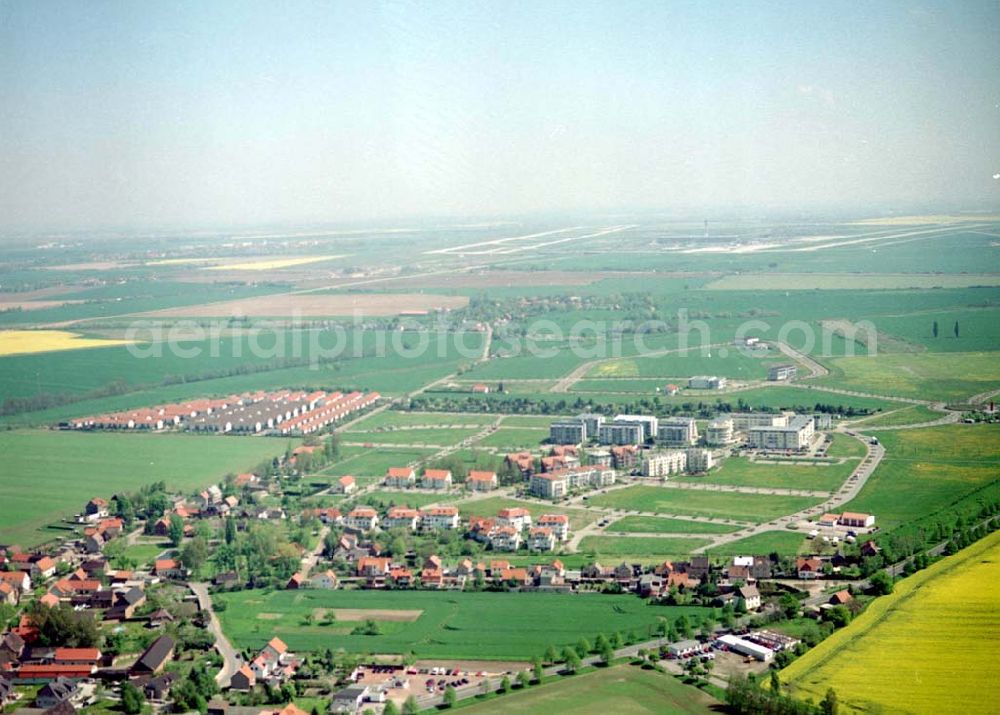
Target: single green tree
828	705
523	679
934	329
450	697
410	707
956	328
775	682
132	699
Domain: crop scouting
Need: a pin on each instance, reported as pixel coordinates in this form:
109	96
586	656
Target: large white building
568	431
744	421
699	460
795	435
648	423
720	431
663	464
679	431
620	433
706	382
554	485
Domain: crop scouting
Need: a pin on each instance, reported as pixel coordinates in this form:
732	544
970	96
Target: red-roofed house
514	516
243	680
361	518
541	538
21	580
809	568
346	485
400	477
436	479
558	523
401	517
373	566
439	517
168	568
856	520
77	656
481	481
43	568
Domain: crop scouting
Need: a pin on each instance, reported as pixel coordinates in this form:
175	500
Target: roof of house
362	512
860	516
481	476
156	655
513	512
278	645
402	512
74	654
553	519
437	474
345	480
441	511
400	471
165	565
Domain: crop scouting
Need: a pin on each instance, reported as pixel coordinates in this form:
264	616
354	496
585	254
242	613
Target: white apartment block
796	435
361	518
557	523
699	460
401	517
720	431
440	517
541	539
505	538
515	516
620	433
681	431
663	464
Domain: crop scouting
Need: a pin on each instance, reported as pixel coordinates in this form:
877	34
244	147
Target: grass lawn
624	689
722	505
143	554
451	624
845	446
915	414
50	474
372	461
929	633
784	542
727	362
929	376
396	418
639	548
740	471
411	499
514	438
663	525
928	469
491	505
441	436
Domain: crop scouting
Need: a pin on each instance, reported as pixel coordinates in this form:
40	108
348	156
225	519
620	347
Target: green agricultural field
491	505
928	376
623	690
740	471
926	470
786	543
979	329
437	436
641	549
48	474
643	386
663	525
515	438
511	626
529	421
721	505
840	281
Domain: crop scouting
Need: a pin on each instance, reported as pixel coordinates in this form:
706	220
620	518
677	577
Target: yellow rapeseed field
268	265
24	342
615	368
927	648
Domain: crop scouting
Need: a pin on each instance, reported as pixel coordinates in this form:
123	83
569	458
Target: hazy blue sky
146	113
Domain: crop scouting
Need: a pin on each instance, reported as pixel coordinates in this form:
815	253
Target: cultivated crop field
27	342
49	474
623	690
494	626
720	505
439	436
924	648
783	542
928	376
514	438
